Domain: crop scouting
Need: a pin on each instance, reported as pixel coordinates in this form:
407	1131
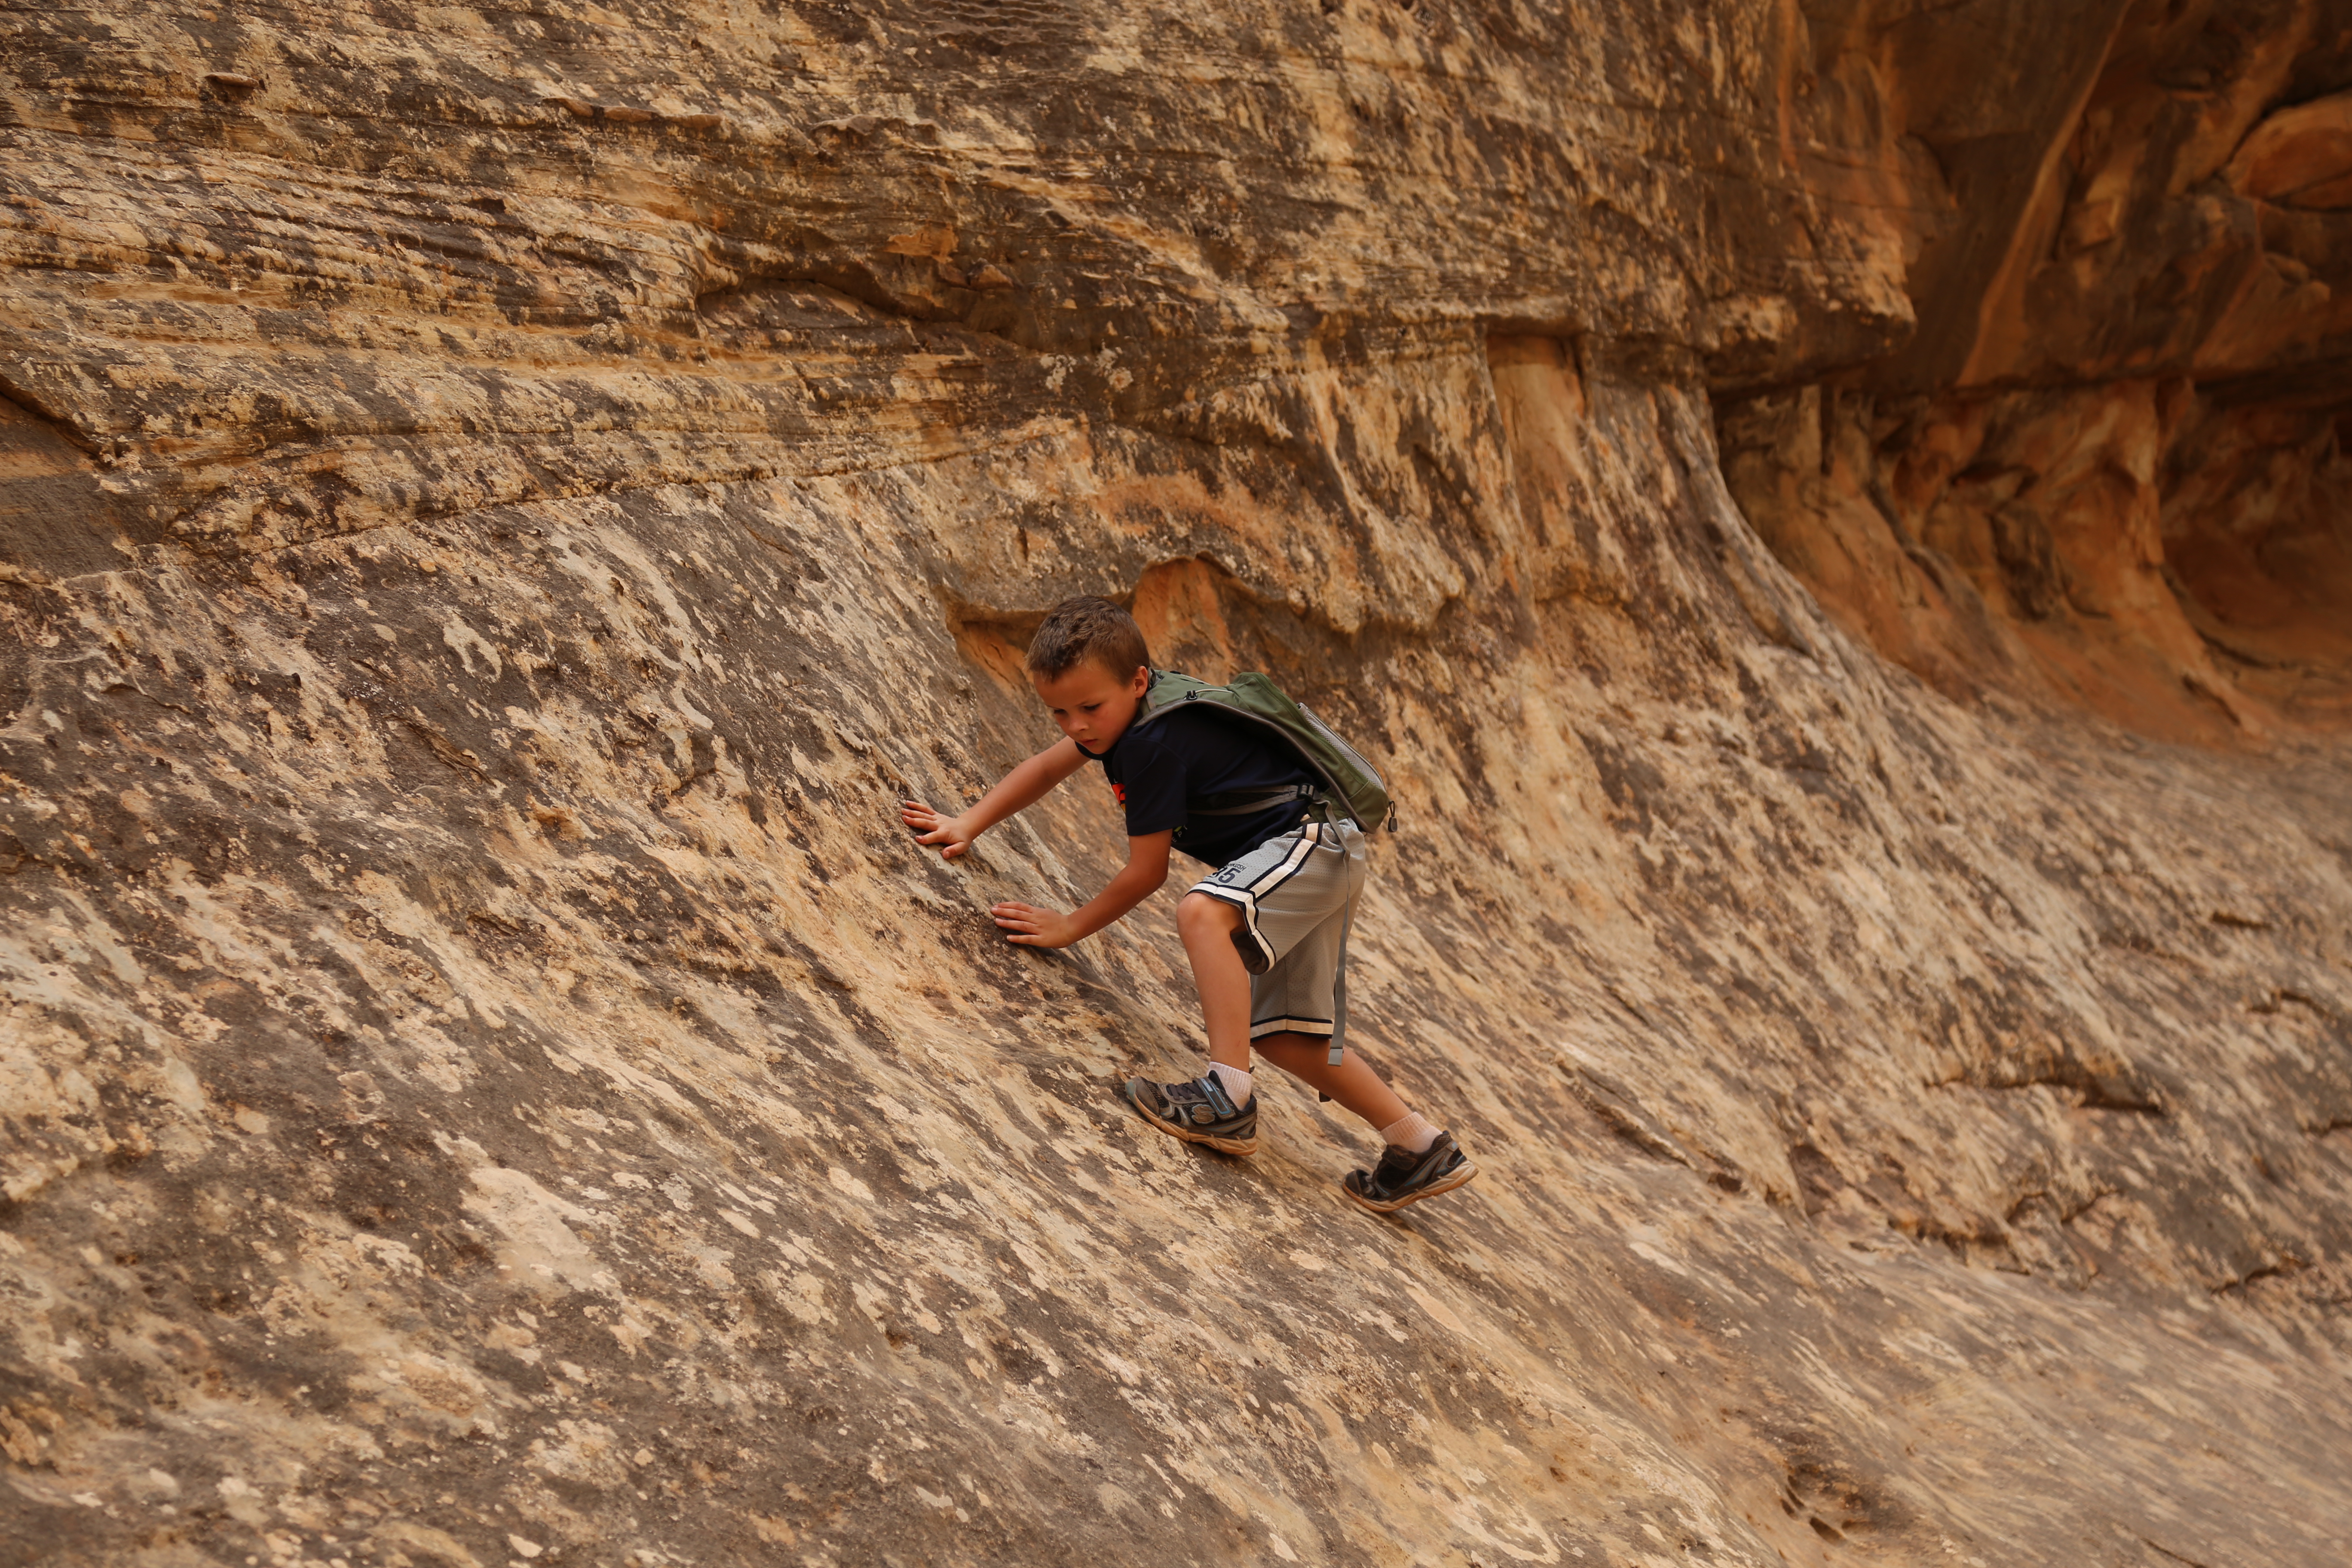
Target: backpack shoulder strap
1168	689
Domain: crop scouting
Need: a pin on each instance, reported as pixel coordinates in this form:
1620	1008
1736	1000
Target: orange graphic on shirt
1118	792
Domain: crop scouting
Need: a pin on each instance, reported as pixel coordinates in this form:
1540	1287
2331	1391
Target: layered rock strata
2108	468
497	507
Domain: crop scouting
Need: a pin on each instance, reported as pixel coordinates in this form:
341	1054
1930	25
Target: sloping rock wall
497	507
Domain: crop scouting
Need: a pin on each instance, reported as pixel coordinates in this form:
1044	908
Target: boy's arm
1146	868
1024	786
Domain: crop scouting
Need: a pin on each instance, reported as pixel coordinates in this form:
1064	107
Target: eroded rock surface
497	507
2109	468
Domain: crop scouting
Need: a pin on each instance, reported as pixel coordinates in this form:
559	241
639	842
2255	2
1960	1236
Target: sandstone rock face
2109	467
495	508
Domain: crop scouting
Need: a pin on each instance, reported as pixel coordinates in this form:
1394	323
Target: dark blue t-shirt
1161	770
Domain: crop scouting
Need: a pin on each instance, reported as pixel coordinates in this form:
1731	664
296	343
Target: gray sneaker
1405	1177
1198	1113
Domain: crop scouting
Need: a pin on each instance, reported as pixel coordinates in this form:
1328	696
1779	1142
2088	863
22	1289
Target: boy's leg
1208	1110
1425	1163
1352	1084
1208	925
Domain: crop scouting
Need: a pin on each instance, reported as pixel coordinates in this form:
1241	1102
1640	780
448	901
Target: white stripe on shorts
1296	892
1310	835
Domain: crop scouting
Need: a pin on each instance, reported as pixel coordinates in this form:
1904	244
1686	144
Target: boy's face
1093	706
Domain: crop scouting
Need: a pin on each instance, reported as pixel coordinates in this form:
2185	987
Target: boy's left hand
1032	927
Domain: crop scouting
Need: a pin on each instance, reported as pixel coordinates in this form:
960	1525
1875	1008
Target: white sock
1236	1082
1417	1133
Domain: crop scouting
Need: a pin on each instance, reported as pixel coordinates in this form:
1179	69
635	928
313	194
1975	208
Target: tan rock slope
497	505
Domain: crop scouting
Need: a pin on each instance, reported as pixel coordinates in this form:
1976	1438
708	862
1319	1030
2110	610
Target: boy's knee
1199	909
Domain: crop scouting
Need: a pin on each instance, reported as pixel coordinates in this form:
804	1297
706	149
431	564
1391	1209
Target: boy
1265	933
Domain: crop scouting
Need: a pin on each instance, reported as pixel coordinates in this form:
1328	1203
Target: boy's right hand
948	832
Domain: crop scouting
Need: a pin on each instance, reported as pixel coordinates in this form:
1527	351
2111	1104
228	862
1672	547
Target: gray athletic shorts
1292	891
